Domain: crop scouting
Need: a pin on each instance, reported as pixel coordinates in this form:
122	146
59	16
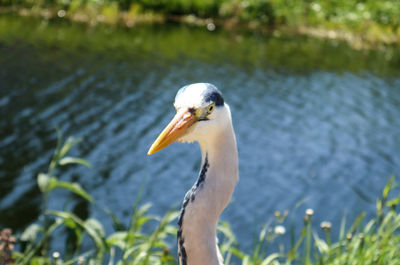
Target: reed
374	241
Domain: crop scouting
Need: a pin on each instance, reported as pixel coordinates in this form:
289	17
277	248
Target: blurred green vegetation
281	52
369	20
375	241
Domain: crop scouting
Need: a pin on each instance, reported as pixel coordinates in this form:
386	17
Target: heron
203	116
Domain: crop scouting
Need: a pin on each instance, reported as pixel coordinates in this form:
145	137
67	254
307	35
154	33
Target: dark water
314	119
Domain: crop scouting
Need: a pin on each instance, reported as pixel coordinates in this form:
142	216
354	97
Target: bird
203	116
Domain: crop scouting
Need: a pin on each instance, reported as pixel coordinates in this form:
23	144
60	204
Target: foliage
374	241
355	14
134	246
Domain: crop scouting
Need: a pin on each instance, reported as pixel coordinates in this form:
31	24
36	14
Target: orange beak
174	130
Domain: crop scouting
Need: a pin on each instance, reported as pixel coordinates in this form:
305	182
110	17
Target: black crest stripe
213	95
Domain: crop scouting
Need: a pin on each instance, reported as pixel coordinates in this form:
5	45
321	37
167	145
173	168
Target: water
315	120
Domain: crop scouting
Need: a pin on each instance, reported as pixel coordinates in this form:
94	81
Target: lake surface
315	120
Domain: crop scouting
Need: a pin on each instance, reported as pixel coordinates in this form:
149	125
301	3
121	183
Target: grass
375	241
366	21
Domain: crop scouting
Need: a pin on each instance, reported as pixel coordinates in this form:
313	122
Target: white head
200	114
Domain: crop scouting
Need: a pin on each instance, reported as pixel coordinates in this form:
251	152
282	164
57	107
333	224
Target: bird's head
200	114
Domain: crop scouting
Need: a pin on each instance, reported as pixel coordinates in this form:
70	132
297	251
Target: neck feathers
205	201
189	197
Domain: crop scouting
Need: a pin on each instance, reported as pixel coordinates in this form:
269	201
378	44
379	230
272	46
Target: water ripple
318	135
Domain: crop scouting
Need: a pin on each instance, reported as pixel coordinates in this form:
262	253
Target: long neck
206	200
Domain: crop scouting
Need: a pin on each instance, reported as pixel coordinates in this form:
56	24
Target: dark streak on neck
189	197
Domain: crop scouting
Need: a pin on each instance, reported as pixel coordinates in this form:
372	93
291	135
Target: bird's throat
206	200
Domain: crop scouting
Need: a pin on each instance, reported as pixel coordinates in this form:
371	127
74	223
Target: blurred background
314	89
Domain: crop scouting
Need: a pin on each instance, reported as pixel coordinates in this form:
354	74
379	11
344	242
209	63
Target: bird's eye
210	108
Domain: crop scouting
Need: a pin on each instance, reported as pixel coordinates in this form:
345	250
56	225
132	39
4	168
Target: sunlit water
315	121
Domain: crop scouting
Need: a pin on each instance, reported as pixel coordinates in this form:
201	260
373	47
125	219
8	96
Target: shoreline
125	19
